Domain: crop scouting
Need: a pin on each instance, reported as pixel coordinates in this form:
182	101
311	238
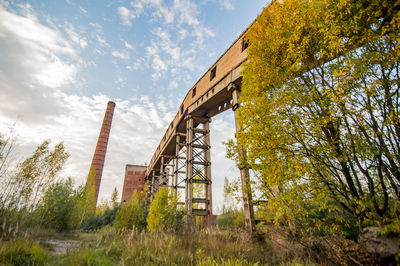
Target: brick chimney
101	147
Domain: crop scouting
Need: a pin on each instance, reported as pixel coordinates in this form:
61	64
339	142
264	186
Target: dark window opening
182	109
245	44
194	92
213	73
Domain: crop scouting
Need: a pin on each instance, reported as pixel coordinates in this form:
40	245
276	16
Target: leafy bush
98	221
57	205
22	252
163	215
132	214
392	229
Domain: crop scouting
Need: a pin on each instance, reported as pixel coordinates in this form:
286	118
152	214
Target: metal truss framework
189	171
198	168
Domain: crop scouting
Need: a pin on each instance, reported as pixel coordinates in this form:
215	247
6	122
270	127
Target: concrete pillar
101	147
244	174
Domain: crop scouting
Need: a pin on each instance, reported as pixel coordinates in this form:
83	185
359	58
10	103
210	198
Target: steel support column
152	186
179	173
198	169
207	169
191	222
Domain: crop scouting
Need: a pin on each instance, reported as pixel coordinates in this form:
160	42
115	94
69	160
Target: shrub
98	221
132	214
163	215
22	252
57	205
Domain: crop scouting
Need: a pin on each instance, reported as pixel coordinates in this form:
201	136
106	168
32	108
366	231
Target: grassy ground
111	247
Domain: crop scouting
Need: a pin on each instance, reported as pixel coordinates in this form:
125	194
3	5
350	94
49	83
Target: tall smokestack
101	147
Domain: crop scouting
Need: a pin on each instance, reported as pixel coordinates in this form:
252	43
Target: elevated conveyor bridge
182	158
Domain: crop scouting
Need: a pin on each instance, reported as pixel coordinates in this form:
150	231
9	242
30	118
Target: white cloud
74	36
124	55
126	15
187	11
227	4
128	45
30	32
182	34
158	64
167	45
174	46
36	49
137	64
101	40
96	26
82	10
152	49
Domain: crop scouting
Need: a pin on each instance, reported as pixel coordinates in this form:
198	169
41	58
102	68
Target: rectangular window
194	92
244	44
182	109
213	73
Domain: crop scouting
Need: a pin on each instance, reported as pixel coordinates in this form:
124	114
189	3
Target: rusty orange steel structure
182	158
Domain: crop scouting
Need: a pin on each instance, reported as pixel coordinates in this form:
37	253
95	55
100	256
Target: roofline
219	58
136	165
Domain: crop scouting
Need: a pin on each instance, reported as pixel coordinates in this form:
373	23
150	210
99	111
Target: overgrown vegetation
22	252
100	220
132	214
127	247
320	114
163	213
320	129
32	194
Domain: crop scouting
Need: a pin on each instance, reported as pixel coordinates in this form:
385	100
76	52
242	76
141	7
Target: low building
134	180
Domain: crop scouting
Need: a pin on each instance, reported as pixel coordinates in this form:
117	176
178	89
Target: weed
22	252
86	256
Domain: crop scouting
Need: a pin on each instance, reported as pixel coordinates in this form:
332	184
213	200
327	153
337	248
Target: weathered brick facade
134	180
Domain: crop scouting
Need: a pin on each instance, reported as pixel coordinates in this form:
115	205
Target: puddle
59	247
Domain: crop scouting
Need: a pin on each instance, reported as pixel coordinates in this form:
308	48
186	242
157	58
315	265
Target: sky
62	61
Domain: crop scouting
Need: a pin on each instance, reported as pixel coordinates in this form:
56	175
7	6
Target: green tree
56	206
25	186
114	198
320	112
163	215
89	196
132	214
39	171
